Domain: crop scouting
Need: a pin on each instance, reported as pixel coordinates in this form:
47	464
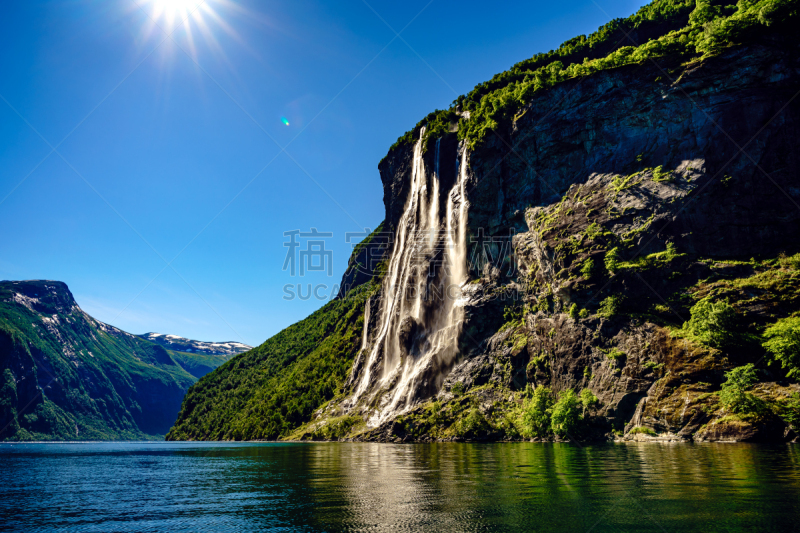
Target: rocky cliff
685	176
67	376
620	220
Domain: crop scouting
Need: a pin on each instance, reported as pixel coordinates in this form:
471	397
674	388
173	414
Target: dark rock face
629	118
703	157
408	332
365	260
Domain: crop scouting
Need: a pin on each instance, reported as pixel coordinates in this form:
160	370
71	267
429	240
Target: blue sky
174	176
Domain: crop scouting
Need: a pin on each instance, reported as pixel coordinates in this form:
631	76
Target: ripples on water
383	487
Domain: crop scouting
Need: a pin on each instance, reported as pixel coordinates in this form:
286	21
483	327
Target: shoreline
638	439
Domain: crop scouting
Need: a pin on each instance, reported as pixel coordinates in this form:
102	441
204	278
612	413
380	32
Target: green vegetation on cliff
783	344
273	389
678	30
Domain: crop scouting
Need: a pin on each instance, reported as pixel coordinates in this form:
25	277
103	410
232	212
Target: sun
186	21
174	10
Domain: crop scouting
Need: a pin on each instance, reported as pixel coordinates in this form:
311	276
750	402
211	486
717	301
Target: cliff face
601	242
632	118
701	157
730	115
66	376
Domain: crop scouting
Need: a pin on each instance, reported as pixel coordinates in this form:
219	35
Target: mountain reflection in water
383	487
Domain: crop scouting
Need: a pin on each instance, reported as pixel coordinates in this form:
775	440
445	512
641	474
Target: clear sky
154	166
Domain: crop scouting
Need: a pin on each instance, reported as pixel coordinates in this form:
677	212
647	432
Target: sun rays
193	18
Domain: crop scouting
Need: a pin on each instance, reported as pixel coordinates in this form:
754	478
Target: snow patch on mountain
181	344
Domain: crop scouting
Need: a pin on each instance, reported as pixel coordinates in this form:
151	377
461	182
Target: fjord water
383	487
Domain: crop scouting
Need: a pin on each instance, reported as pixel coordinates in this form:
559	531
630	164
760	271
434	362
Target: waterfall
365	329
415	339
433	215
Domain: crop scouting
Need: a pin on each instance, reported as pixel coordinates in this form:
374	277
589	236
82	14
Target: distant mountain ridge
182	344
66	376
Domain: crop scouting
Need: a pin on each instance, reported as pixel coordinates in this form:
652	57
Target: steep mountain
174	342
602	242
274	388
67	376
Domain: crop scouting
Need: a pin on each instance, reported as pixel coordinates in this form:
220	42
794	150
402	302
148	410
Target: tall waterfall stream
415	341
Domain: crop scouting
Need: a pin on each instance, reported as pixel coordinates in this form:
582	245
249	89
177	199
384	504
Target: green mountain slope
67	376
271	390
199	364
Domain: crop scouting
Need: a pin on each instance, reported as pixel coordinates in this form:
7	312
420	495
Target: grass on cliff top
271	390
681	30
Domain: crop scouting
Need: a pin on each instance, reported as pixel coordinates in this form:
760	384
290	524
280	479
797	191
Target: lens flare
286	122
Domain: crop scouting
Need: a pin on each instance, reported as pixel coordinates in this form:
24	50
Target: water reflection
375	487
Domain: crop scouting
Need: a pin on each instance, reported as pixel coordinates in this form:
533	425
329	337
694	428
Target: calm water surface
383	487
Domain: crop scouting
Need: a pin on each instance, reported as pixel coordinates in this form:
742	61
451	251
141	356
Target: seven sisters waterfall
413	343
